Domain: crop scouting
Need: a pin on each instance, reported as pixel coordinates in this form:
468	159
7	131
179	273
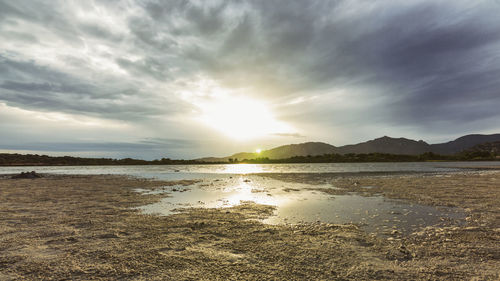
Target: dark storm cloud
427	57
441	64
425	54
435	61
26	82
59	92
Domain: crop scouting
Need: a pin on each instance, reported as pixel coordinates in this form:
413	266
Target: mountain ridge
385	144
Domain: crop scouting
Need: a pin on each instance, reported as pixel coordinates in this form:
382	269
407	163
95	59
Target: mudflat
86	227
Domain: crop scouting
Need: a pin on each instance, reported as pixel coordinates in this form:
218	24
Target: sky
188	79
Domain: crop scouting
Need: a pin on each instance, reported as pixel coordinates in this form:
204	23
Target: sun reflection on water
246	192
242	169
297	203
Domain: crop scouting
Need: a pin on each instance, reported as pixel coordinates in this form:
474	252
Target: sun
258	150
241	118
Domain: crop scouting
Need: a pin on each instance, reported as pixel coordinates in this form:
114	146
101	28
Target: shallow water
229	185
300	203
178	172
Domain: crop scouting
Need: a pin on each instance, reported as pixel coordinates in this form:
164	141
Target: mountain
387	145
412	147
384	144
463	143
303	149
492	148
280	152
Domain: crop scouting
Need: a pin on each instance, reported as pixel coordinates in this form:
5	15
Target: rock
27	175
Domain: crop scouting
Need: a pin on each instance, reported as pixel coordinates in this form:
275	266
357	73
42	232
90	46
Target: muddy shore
86	228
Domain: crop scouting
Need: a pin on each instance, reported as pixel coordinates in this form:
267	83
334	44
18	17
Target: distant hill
388	145
492	148
280	152
470	147
405	146
464	143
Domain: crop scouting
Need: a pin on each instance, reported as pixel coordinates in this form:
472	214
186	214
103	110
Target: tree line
8	159
374	157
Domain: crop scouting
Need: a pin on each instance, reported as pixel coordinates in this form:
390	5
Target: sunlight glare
246	192
242	169
241	118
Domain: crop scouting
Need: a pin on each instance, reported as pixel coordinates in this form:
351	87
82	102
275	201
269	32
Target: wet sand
86	227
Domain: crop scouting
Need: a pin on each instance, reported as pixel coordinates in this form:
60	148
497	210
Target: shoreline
278	163
85	227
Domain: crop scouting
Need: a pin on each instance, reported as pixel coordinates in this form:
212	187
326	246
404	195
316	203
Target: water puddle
299	203
374	214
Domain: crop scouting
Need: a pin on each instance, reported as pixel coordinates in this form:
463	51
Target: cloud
384	67
26	84
134	147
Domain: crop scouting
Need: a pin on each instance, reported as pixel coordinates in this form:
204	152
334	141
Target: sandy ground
85	227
